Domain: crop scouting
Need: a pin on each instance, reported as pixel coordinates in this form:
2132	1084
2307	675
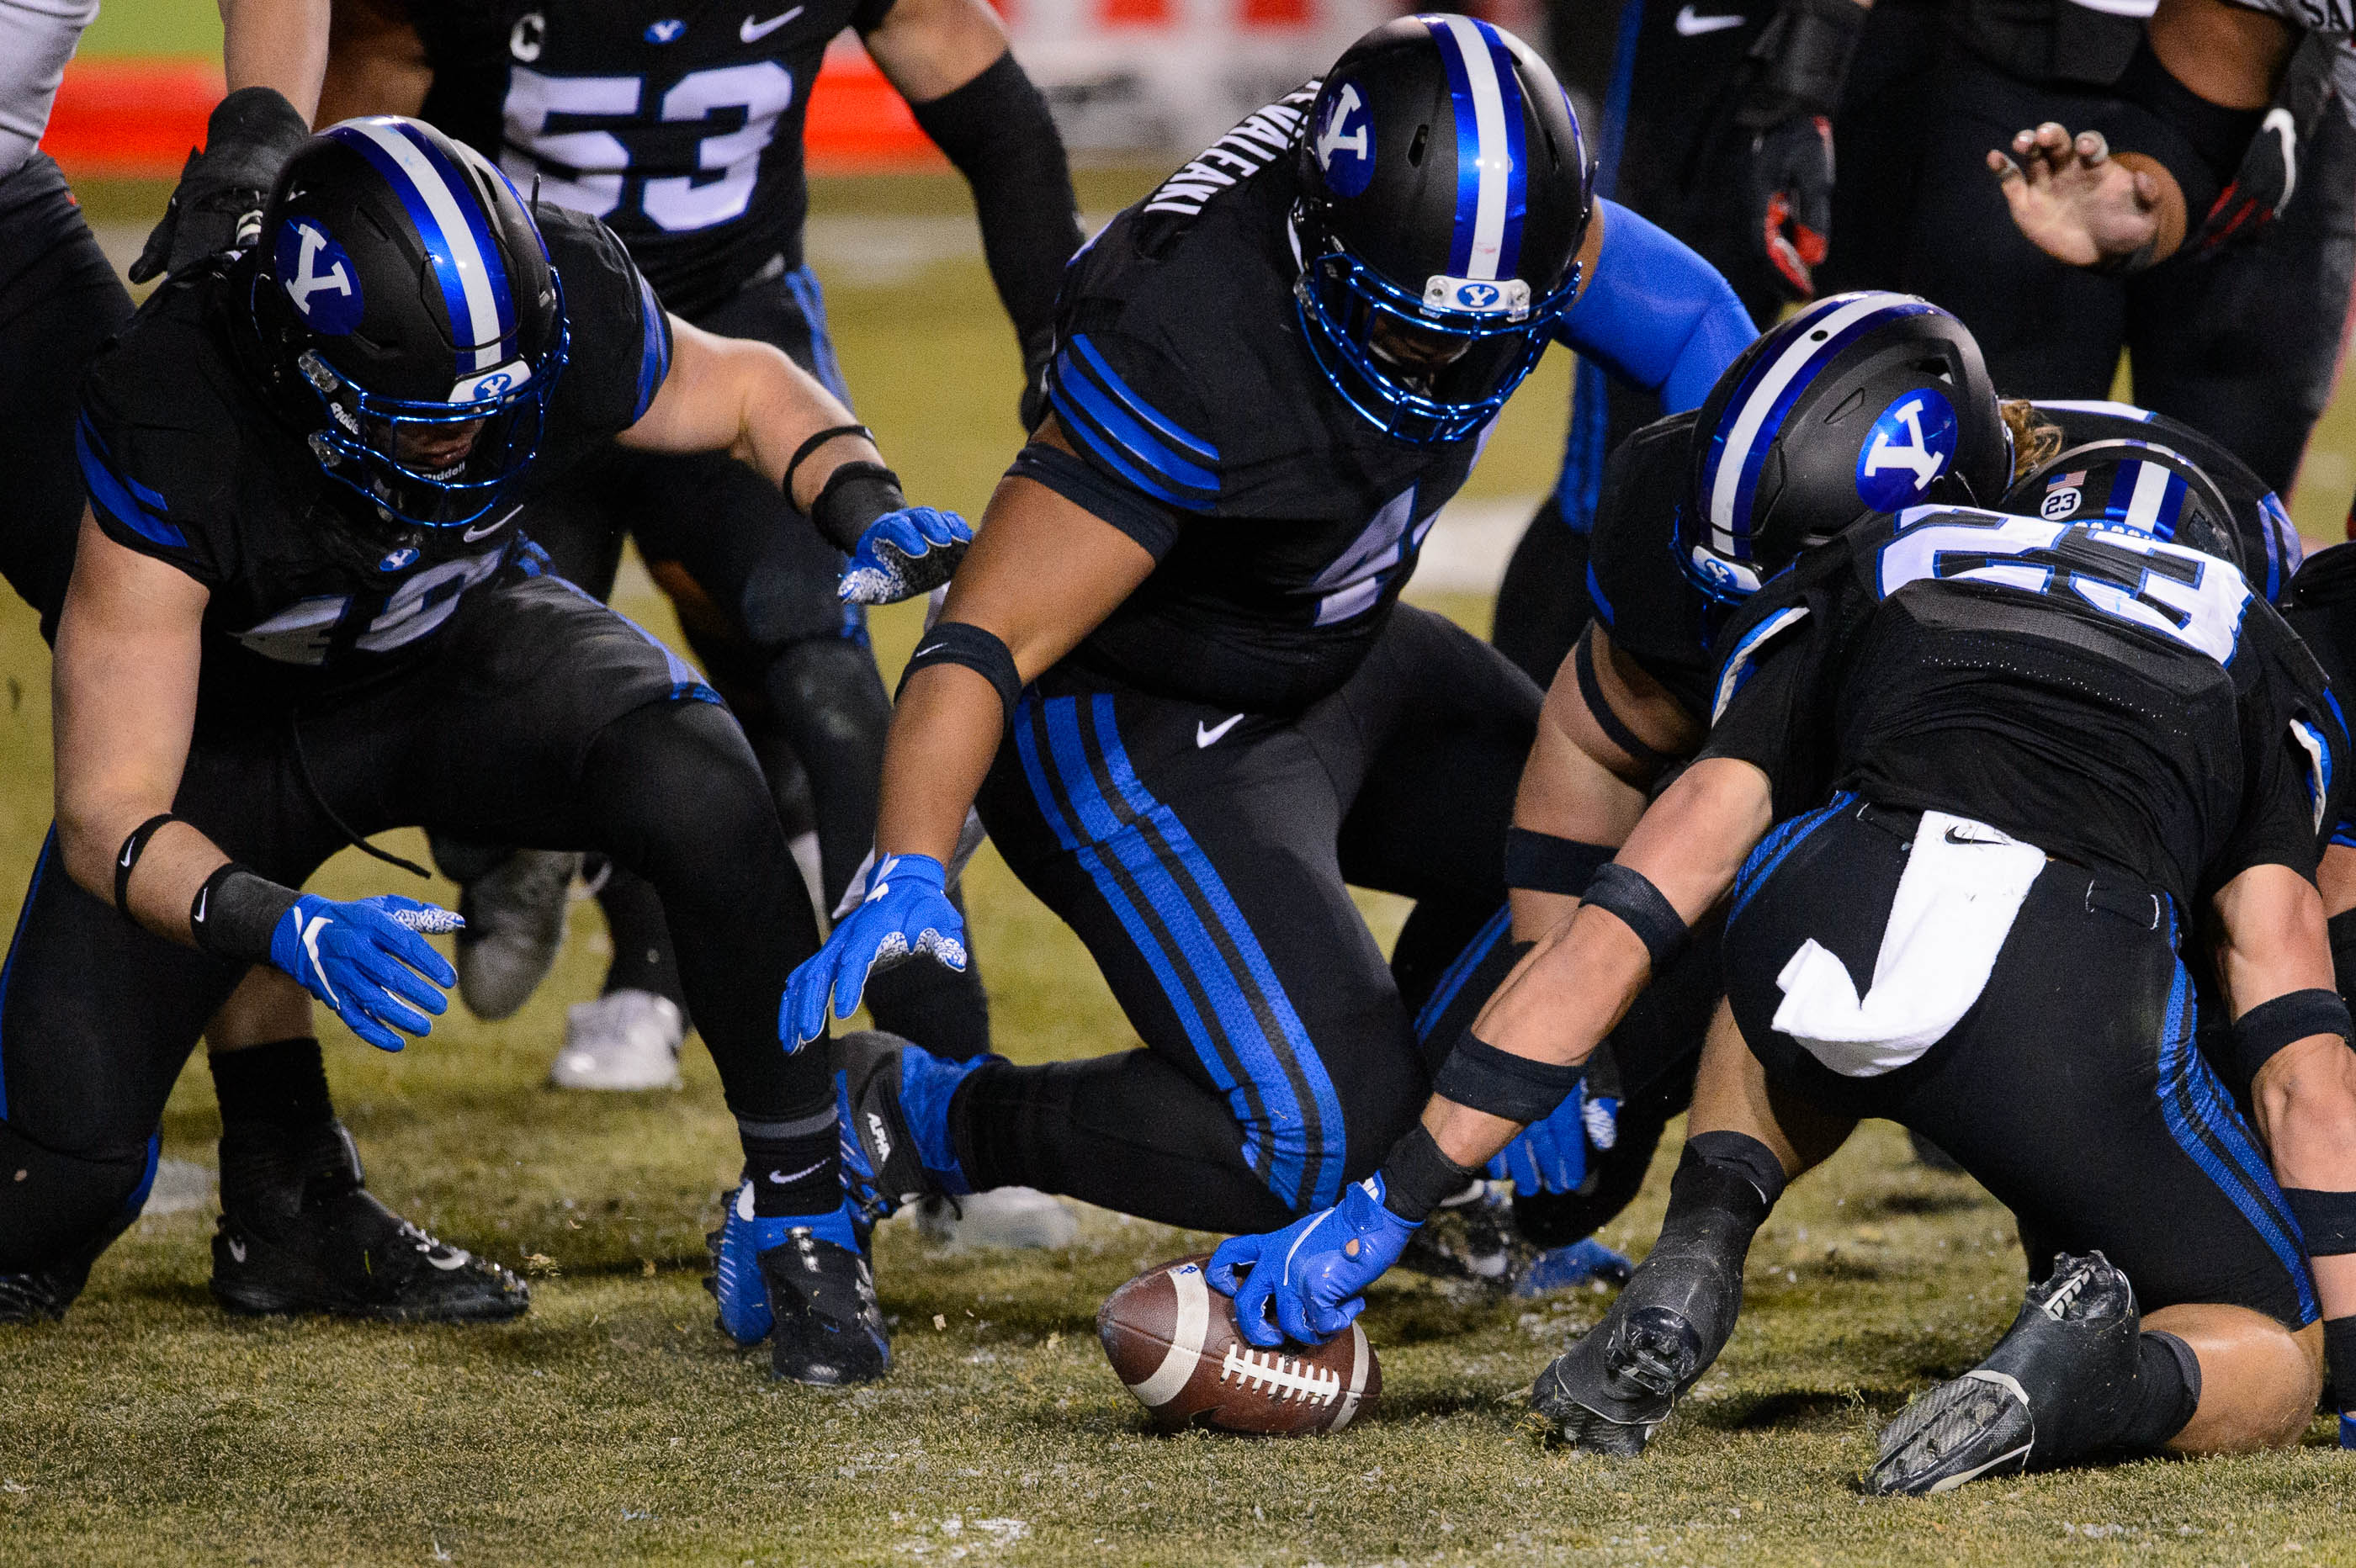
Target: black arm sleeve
995	128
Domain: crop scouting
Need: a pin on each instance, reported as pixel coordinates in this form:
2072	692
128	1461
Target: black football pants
1205	859
2072	1090
536	717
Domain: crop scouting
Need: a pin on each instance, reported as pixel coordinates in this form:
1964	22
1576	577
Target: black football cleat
827	1327
1608	1392
39	1296
300	1233
2057	1386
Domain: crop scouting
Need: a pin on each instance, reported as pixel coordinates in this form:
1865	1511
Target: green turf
154	28
613	1423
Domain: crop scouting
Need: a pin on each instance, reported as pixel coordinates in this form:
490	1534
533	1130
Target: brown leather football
1172	1339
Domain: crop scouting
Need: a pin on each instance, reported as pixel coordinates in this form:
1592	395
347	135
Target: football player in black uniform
1176	673
301	613
2002	757
681	128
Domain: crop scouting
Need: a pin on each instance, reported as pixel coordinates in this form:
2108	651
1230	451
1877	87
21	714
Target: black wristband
2326	1220
1600	707
1480	1077
1543	863
854	495
234	913
1803	56
802	452
1418	1178
127	858
1631	896
2270	1026
957	643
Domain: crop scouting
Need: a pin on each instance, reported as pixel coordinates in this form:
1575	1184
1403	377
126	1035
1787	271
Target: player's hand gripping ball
1311	1277
907	913
912	551
1172	1340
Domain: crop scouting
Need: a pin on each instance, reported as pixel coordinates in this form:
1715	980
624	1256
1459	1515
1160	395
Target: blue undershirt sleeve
1656	313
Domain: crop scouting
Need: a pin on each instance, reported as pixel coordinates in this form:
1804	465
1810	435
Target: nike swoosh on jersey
753	32
1690	26
1211	735
488	530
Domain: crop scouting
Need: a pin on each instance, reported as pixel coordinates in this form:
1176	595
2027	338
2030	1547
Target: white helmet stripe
474	273
2144	502
1489	120
1762	402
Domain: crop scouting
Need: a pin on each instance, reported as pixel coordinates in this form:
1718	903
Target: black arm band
957	643
997	131
235	912
2326	1220
2343	929
127	858
801	454
2270	1026
1480	1077
1803	56
1609	721
1631	895
855	494
1542	863
1418	1178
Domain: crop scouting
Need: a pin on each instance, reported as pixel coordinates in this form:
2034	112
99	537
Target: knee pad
64	1210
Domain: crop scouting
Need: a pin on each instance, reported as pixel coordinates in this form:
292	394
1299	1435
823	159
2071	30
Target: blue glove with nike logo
902	554
908	911
366	961
1315	1272
1551	1156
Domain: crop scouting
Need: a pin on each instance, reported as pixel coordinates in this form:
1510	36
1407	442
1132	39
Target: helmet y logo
1346	153
311	264
1912	443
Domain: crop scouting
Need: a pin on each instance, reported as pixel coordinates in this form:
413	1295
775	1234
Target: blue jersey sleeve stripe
1199	450
654	351
127	503
1104	450
1111	424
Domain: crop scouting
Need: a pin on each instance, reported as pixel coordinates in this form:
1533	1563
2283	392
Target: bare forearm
945	733
280	44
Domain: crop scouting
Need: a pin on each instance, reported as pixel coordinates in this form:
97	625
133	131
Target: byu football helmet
2138	485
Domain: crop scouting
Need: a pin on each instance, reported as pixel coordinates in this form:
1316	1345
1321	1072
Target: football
1172	1339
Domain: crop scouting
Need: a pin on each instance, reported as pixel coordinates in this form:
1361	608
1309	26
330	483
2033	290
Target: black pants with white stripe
1205	859
2073	1089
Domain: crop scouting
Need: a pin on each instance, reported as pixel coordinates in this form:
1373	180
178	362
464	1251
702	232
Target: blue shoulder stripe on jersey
127	501
463	255
654	348
1122	431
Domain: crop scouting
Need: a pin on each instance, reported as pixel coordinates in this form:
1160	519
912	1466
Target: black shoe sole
299	1290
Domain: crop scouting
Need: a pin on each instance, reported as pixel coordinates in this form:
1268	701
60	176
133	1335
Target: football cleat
1015	1218
2058	1386
39	1296
893	1100
736	1280
1610	1392
626	1040
827	1328
1565	1269
1470	1238
515	917
300	1233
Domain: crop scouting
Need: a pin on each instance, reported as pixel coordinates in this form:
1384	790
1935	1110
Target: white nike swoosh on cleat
236	1249
1211	735
1690	26
458	1260
753	32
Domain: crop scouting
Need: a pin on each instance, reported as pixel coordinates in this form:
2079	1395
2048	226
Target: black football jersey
191	459
1638	588
2121	701
678	122
1284	523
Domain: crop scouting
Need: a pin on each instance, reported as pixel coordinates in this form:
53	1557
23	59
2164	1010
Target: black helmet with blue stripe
406	298
2129	483
1445	191
1863	402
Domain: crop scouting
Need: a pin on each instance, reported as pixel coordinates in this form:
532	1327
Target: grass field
614	1424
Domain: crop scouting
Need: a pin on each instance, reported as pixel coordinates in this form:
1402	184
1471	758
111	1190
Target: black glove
1796	70
2267	175
217	204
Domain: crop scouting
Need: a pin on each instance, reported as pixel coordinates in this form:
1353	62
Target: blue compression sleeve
1656	313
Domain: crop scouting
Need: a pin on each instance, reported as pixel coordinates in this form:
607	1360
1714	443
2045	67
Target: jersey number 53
586	170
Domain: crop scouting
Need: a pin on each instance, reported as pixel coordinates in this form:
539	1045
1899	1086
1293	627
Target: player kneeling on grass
2000	757
301	613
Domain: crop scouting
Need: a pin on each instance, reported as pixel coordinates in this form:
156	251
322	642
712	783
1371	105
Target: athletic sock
283	1082
2168	1391
795	1166
1740	1155
2339	1369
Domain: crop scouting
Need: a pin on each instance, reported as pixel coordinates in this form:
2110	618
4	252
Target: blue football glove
1551	1156
364	959
1315	1271
908	911
912	551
